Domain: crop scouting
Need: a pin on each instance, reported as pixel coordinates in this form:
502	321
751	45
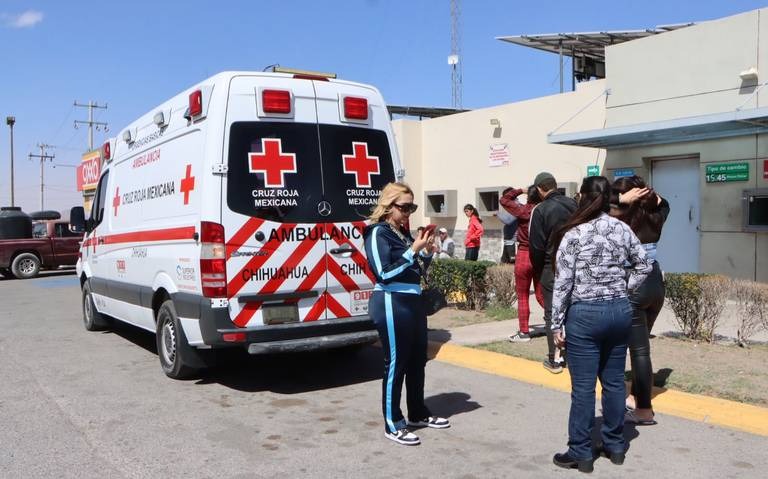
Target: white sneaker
432	421
403	436
519	337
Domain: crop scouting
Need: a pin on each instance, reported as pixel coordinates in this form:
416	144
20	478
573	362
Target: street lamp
10	121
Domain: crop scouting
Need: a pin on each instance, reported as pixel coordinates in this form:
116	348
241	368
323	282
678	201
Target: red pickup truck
51	246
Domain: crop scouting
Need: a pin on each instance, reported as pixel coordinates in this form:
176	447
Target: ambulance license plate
360	302
280	313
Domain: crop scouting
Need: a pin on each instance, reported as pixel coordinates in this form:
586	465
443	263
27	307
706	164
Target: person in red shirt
474	233
523	268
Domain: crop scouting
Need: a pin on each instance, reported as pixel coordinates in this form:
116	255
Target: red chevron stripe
243	234
237	282
245	314
345	280
336	308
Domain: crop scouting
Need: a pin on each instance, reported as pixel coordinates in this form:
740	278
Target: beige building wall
689	72
451	153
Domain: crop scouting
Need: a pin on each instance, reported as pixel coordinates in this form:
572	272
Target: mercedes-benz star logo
324	208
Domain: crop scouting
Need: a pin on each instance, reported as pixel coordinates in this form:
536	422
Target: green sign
593	170
723	172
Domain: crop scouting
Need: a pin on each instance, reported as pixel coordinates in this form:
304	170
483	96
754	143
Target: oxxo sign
89	170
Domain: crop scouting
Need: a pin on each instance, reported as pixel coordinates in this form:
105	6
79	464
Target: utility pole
10	121
42	156
91	105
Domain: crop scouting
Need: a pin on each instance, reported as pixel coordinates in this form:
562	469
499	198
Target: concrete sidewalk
500	330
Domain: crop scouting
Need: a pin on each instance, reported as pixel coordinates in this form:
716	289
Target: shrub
698	301
501	284
453	276
752	299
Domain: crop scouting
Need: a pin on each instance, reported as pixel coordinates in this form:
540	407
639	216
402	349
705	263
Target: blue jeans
596	335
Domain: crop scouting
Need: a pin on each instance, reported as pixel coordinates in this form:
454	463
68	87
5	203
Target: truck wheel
25	266
92	319
177	358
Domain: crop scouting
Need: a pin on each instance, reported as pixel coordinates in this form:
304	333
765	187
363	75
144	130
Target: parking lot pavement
79	404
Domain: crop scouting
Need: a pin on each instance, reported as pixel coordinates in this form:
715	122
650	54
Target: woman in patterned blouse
590	300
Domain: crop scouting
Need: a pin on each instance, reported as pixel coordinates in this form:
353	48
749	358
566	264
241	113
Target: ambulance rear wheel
176	355
25	266
92	319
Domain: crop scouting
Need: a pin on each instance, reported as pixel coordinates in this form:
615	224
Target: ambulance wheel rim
88	309
27	266
168	342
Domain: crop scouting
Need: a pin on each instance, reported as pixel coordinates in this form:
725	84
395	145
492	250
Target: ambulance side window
97	211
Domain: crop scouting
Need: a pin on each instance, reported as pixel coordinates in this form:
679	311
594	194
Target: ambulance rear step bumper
303	336
314	344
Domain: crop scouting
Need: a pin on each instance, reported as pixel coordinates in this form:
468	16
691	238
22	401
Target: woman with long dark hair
590	300
397	310
474	233
645	212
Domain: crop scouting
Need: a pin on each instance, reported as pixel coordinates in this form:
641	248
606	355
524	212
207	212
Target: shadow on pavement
450	404
437	337
630	432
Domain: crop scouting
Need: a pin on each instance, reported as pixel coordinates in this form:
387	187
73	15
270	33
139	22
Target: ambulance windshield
281	172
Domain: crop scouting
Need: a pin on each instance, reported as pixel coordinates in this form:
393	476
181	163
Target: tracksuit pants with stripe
402	327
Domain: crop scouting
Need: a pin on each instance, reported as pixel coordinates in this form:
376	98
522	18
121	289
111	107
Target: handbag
433	299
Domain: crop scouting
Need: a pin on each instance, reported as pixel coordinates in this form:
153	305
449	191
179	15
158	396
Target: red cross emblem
187	184
361	165
272	162
116	200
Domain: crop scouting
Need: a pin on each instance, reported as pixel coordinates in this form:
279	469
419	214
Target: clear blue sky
134	54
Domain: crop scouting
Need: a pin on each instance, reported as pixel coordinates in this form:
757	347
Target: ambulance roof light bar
303	74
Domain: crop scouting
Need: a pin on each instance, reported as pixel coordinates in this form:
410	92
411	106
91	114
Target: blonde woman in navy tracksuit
397	311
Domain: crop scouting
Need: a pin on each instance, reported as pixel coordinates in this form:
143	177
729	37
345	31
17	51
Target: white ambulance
232	215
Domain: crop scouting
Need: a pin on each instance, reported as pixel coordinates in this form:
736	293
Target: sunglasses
406	207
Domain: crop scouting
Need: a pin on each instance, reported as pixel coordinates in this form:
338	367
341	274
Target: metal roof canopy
586	48
695	128
423	111
587	44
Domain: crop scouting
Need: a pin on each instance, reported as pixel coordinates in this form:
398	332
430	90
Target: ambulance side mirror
77	222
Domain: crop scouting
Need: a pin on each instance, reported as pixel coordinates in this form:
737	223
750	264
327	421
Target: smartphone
430	229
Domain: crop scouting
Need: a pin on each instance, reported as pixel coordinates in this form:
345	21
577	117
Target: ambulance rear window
306	173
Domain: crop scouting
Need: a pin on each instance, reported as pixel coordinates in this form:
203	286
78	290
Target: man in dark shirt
547	217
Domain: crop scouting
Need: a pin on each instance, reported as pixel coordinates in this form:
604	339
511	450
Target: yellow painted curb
721	412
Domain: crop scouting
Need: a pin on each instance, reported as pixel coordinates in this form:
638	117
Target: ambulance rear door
356	148
272	192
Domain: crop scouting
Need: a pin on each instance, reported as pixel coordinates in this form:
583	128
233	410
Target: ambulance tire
178	359
25	266
92	319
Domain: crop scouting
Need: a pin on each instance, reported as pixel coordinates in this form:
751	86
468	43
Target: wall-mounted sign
89	170
498	154
623	172
724	172
593	170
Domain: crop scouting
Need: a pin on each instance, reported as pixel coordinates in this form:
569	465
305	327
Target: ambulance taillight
213	260
355	108
195	103
276	101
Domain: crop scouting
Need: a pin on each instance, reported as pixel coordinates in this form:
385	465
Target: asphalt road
80	404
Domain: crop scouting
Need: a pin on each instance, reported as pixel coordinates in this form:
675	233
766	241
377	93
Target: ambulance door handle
345	249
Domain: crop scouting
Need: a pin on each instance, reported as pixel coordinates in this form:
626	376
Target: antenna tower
454	59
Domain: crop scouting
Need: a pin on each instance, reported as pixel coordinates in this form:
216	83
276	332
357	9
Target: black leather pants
646	301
